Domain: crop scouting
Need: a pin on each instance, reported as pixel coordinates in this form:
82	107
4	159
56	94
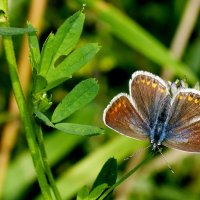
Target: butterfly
152	112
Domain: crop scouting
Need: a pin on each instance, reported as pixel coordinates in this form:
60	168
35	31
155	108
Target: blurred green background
162	37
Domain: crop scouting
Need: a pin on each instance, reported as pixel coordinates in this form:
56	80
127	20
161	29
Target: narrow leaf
78	129
34	49
68	35
83	194
81	95
71	64
44	118
7	31
39	82
46	55
108	173
97	191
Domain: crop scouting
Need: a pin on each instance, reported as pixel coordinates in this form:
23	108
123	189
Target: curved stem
107	192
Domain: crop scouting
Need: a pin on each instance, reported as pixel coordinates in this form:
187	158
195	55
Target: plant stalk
26	118
49	174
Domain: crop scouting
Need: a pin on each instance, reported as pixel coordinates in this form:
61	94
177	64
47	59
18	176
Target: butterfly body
152	113
158	131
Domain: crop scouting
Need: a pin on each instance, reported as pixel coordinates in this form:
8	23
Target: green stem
45	162
126	176
30	134
26	118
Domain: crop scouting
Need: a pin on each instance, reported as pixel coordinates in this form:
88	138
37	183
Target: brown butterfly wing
149	94
183	124
121	116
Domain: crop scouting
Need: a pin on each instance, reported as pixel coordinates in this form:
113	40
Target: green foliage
68	35
97	191
56	65
108	173
23	163
46	56
78	129
71	64
39	83
43	118
41	102
81	95
8	31
48	72
46	75
83	194
34	49
105	179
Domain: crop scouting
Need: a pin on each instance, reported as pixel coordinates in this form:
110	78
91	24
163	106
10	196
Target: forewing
121	116
149	95
183	123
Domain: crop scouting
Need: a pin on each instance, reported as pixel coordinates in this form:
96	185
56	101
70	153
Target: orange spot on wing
180	97
190	98
161	90
119	105
154	85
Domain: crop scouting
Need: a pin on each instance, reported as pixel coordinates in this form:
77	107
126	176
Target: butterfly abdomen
158	130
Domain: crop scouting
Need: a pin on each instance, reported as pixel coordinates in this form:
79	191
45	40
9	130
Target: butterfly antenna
137	152
170	168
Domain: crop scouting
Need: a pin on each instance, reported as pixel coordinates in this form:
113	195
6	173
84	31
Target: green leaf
83	194
78	129
7	31
80	95
34	49
39	83
44	118
68	35
108	173
46	55
71	64
41	102
86	170
62	43
97	191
